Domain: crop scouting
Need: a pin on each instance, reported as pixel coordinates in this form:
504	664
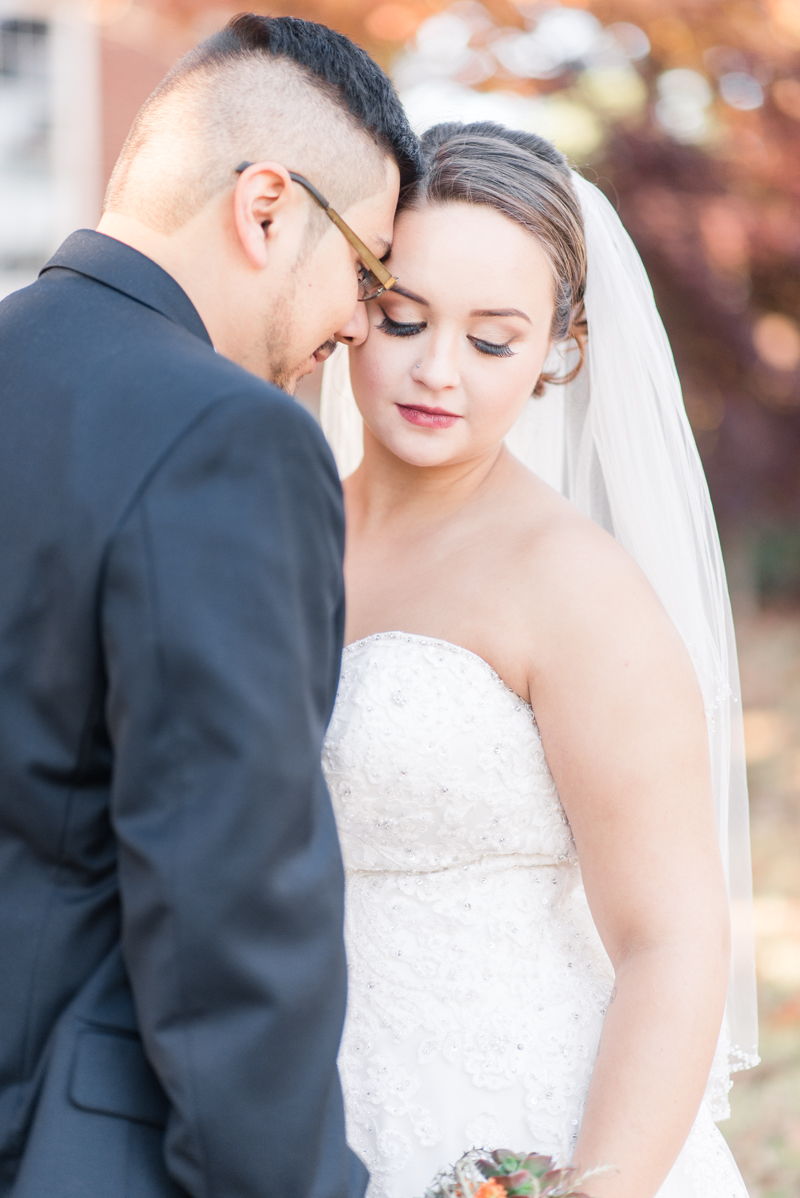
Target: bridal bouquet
504	1174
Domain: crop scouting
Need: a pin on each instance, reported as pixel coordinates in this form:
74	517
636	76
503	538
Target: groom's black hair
349	75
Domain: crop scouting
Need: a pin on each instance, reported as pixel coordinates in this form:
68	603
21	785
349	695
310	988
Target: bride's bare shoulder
571	569
584	620
545	523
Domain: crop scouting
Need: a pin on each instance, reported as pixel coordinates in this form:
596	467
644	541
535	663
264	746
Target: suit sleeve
222	624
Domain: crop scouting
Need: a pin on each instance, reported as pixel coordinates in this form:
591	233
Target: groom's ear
263	198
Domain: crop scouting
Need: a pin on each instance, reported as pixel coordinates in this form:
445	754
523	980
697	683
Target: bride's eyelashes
492	348
397	328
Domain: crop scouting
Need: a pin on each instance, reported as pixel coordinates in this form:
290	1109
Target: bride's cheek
370	376
386	362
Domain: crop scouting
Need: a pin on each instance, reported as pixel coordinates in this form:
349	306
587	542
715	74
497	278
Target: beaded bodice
432	761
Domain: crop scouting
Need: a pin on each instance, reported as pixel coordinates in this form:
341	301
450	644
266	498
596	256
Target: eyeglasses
373	277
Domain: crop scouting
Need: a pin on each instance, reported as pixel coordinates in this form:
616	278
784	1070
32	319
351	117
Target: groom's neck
201	258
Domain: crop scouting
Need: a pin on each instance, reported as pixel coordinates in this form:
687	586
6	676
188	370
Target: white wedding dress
478	983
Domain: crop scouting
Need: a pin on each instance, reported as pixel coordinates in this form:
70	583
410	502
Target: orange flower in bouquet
491	1189
505	1174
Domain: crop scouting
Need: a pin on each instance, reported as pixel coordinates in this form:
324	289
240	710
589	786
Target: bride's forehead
465	249
461	229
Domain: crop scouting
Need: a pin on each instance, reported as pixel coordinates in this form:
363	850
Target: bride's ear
552	369
567	357
544	378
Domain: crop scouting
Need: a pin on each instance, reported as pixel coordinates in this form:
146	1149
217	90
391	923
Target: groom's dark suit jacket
172	978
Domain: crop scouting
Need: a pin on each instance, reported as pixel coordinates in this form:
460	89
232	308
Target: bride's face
455	349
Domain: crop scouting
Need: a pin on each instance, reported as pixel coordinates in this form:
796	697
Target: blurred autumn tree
718	224
687	113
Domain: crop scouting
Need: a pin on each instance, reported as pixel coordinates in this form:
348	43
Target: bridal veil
616	442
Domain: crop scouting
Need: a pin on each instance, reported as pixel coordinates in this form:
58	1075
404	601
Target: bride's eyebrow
499	312
398	290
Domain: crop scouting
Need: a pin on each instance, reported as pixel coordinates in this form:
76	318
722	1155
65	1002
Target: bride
535	755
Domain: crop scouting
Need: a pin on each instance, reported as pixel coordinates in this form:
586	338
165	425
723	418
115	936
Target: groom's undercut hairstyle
263	89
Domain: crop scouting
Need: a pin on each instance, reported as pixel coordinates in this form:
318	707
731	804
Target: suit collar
117	265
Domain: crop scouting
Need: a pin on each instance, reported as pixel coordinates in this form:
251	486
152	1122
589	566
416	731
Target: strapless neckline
451	646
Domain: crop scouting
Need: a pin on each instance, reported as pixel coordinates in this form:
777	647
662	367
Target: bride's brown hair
526	179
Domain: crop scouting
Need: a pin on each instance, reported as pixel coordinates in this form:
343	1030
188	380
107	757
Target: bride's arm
622	721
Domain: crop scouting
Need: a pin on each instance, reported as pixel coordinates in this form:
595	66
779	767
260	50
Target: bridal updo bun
527	180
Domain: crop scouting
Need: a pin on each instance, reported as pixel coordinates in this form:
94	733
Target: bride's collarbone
476	632
472	618
493	593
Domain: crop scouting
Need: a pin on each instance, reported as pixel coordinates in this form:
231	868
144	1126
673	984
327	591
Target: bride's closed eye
397	328
407	328
492	348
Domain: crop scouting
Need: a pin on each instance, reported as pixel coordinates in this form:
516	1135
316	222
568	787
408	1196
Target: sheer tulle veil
617	443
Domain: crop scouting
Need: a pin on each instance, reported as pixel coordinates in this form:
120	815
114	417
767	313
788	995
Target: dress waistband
489	864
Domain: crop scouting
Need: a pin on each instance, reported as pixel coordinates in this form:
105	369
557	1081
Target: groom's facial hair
282	372
288	382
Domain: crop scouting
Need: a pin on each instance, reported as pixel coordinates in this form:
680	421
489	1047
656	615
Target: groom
172	977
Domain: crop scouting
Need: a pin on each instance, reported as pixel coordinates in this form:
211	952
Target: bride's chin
419	451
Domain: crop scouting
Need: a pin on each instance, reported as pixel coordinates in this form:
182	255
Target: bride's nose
438	369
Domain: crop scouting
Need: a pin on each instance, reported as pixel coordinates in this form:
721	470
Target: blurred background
687	114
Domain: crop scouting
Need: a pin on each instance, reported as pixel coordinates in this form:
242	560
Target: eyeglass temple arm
375	265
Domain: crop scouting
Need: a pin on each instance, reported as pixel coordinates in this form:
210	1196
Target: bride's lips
427	417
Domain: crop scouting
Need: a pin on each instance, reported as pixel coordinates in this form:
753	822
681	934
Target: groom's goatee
287	380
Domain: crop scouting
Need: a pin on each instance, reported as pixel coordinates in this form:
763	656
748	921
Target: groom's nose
356	329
